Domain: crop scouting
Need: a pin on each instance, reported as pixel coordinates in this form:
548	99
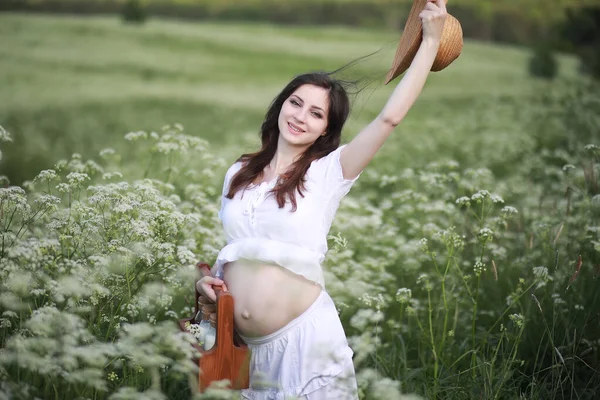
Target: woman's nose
300	114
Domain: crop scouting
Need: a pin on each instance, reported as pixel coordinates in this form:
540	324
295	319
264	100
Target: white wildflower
11	301
112	376
123	208
541	276
451	239
385	388
167	148
19	282
496	199
517	319
463	201
10	314
107	152
186	256
479	268
480	196
385	180
71	287
132	310
134	136
557	299
485	234
46	175
56	224
93	167
425	281
13	194
76	179
422	243
4	135
63	187
403	295
509	211
366	299
141	228
147	258
164	300
592	147
111	175
47	200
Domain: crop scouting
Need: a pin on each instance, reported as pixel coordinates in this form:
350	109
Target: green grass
78	84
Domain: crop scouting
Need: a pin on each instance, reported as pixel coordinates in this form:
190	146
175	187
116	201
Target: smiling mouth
294	128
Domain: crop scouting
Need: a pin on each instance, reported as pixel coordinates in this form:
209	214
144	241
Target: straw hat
450	46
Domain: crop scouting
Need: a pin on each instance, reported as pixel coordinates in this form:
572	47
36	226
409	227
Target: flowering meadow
451	281
464	262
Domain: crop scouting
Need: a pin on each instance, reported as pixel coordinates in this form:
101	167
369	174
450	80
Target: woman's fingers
428	15
438	6
211	280
431	6
210	293
205	286
432	19
432	10
439	3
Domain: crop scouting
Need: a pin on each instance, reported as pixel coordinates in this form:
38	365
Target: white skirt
308	358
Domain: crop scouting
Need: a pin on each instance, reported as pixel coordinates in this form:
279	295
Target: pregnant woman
277	208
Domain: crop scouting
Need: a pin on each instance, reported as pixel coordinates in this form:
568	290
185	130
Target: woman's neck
285	155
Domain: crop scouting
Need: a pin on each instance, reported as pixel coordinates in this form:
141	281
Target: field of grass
464	262
73	85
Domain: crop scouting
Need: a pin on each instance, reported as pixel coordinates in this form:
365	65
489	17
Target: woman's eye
294	102
317	115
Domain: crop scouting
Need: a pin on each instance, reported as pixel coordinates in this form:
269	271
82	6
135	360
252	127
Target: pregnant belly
267	296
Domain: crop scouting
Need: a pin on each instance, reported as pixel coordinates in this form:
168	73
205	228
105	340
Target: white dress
309	357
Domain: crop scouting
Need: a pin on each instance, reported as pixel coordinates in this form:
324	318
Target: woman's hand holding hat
433	18
428	21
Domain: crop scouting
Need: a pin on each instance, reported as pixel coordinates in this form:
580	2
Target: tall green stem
432	338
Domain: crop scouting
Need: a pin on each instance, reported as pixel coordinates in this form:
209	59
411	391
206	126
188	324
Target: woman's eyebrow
300	98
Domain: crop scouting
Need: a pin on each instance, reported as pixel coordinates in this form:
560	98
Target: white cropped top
257	229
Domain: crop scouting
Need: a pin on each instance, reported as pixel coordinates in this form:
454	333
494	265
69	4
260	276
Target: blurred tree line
546	26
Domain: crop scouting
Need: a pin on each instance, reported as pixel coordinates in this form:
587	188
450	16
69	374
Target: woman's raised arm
359	152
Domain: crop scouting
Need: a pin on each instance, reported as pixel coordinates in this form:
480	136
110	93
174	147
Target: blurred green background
75	77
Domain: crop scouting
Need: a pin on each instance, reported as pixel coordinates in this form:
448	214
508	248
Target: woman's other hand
432	19
205	287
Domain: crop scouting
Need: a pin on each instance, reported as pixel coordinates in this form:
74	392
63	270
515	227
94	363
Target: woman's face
303	116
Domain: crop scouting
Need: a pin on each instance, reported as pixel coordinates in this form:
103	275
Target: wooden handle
230	357
225	321
225	360
225	325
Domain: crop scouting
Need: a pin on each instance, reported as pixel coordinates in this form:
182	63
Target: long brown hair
294	179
